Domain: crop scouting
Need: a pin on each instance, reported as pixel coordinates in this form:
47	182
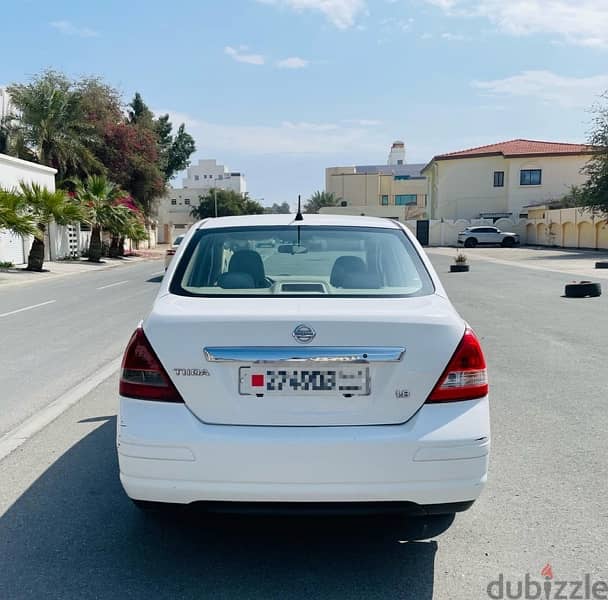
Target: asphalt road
57	333
67	530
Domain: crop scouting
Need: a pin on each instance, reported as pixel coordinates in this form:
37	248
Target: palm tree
53	126
14	214
98	196
319	200
46	206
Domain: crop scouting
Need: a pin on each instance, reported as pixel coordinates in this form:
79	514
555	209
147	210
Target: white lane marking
14	312
22	433
158	273
104	287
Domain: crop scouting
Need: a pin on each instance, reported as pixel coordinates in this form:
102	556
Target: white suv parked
327	367
487	235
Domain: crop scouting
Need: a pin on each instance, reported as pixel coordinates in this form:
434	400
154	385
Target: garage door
11	248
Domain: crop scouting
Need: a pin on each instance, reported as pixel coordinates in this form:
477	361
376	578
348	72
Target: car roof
289	219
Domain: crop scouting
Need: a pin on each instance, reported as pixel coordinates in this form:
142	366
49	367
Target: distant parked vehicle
172	250
485	235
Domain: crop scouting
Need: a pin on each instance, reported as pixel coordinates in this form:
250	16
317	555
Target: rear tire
584	289
470	243
508	242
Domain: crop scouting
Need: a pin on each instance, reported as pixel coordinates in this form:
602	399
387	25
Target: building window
173	202
187	201
402	177
499	179
399	161
384	200
196	178
530	177
405	199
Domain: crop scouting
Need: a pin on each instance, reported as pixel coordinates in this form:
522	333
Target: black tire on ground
508	242
602	264
470	243
583	289
459	268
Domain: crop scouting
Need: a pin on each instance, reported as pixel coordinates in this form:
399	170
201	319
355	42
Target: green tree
52	126
46	206
97	196
14	214
176	157
278	209
229	203
174	151
100	102
572	199
319	200
139	113
594	193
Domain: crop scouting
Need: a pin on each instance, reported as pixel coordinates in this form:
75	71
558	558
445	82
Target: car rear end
336	375
462	236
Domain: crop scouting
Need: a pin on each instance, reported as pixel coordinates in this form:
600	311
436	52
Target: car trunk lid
384	355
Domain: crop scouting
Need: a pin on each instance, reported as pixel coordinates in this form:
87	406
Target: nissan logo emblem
304	334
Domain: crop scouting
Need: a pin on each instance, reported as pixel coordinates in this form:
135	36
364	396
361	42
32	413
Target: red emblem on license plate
257	381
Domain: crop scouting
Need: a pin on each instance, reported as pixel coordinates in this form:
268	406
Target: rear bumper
438	457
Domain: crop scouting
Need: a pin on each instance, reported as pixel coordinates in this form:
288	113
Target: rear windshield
302	260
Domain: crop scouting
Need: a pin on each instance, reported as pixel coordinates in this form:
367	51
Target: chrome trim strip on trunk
268	354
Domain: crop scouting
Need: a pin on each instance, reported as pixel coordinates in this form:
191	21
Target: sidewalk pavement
574	263
63	268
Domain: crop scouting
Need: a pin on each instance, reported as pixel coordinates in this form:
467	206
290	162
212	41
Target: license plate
269	379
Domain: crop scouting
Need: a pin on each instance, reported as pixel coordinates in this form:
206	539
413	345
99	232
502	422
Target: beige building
395	190
174	208
501	179
566	227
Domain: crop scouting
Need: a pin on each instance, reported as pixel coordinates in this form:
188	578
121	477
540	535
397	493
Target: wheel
470	243
583	289
508	242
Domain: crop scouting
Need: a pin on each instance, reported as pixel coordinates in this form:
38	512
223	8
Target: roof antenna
299	216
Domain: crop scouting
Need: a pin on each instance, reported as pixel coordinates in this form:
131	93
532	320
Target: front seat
249	262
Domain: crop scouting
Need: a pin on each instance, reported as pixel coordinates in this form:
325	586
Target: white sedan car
326	367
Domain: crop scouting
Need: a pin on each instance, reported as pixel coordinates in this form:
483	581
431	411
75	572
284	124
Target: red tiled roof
519	148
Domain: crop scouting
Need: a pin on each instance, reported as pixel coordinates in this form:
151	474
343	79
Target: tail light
466	376
142	374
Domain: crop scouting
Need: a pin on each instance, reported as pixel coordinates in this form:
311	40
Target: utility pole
215	200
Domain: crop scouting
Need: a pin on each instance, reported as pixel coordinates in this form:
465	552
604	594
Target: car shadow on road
155	279
74	534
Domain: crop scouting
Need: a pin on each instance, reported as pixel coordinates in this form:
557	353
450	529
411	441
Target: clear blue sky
281	89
